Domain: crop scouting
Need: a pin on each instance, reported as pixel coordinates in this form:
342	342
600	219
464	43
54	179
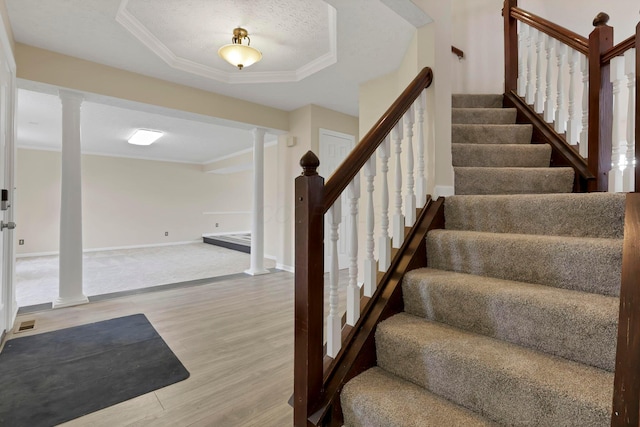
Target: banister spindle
549	103
573	124
630	70
353	291
523	34
370	279
384	242
398	217
618	142
561	107
421	181
410	197
538	105
334	319
531	39
584	133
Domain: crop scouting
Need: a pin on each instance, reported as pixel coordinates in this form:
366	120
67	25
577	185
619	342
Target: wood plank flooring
235	337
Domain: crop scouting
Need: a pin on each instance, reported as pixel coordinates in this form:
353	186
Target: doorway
334	148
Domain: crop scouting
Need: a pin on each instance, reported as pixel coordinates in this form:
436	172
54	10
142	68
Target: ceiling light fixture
238	54
144	137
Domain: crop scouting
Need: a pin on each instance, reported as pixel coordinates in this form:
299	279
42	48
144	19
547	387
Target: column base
258	272
61	302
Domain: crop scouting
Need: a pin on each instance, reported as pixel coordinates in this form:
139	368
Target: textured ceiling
371	41
188	38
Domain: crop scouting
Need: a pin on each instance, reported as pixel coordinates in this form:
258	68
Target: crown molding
147	38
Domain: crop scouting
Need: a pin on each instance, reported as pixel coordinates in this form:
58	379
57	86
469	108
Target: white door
334	148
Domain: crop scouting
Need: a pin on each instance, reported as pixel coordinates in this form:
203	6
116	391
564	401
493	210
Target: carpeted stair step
575	325
475	180
578	263
506	383
501	155
483	115
578	215
376	398
491	134
476	101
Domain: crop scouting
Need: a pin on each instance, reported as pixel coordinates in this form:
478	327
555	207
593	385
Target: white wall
130	202
478	31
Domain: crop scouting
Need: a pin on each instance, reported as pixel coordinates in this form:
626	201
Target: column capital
258	133
70	95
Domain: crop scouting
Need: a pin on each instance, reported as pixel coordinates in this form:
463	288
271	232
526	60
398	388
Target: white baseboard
112	248
288	268
443	191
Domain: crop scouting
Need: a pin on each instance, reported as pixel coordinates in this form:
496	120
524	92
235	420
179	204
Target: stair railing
626	387
335	203
576	85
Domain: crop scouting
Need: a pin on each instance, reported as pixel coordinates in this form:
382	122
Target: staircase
514	321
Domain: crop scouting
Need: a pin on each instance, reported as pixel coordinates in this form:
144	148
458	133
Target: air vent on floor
27	325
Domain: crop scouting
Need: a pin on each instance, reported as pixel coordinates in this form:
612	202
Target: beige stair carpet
514	321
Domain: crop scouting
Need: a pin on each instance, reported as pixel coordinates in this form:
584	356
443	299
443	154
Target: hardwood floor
235	337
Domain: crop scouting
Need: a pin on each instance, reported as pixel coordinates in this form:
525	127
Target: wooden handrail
312	199
458	52
568	37
626	396
370	142
618	49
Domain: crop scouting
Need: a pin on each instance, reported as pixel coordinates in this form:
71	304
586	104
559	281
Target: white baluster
560	124
334	320
410	197
573	125
353	290
549	104
618	140
523	35
398	218
384	242
538	105
370	279
531	39
421	181
630	71
584	134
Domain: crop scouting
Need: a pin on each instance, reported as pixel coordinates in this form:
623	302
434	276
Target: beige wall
130	202
65	71
430	47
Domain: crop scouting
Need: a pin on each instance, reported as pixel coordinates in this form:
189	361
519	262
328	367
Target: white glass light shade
144	137
239	55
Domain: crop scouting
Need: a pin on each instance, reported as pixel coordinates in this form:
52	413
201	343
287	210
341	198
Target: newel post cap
600	20
309	163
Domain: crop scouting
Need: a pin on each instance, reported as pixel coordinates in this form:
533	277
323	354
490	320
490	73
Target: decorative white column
257	225
70	287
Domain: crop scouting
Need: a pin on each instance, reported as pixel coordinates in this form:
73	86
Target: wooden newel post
626	386
600	104
309	302
510	47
